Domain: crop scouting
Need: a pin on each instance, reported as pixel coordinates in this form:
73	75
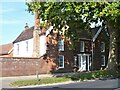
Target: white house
25	43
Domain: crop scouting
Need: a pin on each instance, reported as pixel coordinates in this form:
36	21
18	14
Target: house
90	54
6	50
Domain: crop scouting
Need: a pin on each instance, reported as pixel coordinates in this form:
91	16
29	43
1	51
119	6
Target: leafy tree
79	16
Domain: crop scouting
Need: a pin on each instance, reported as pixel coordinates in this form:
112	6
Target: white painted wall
22	49
42	45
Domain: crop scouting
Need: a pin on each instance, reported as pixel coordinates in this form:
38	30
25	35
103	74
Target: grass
79	76
20	83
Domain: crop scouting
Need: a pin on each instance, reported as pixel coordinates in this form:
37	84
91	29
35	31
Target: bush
94	75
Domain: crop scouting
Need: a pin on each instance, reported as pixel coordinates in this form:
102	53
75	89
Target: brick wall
24	66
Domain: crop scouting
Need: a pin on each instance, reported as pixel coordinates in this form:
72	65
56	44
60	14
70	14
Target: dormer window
102	47
61	45
82	46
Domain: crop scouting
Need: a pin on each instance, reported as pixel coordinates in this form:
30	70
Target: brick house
90	54
6	50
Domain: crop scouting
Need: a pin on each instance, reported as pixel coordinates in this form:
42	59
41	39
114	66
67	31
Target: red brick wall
24	66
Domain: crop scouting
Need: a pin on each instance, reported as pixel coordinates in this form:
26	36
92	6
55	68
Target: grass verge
20	83
79	76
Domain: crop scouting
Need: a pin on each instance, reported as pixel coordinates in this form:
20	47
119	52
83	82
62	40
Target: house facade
90	54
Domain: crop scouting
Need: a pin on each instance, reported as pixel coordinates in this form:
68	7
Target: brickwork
24	66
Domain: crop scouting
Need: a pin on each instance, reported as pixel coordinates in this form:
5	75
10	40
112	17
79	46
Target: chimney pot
26	26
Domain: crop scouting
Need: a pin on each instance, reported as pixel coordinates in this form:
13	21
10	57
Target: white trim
49	30
96	35
80	58
10	50
62	61
84	54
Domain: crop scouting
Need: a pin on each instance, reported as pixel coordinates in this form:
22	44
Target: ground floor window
61	61
103	60
75	61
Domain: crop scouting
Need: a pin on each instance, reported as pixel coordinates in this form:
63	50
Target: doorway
84	62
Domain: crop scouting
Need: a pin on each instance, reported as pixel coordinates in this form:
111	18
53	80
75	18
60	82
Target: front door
83	60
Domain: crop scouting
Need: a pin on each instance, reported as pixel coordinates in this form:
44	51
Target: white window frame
103	61
27	46
60	61
18	49
82	46
61	45
75	61
102	47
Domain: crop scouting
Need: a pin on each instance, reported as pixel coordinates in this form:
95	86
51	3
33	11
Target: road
107	84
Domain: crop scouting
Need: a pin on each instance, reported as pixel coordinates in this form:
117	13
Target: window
26	46
75	61
18	48
102	47
103	60
82	46
61	61
61	45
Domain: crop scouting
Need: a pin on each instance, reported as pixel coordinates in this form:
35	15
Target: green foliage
70	12
94	75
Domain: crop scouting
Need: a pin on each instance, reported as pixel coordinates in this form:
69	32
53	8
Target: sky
13	18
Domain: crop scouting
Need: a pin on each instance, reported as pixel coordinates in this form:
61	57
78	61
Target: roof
25	35
87	35
97	33
6	49
28	34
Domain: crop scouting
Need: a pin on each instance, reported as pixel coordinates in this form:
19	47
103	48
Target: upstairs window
18	48
61	61
82	46
61	45
102	47
26	46
103	60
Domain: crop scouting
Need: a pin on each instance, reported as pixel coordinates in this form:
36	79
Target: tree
82	13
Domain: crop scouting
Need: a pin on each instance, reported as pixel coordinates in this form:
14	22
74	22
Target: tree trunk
112	58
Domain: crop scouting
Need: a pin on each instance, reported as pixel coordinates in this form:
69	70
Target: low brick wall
23	66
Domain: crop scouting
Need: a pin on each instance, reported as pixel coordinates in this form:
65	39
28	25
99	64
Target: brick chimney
36	37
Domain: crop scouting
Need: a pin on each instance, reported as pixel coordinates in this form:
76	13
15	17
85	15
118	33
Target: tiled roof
28	34
6	48
25	35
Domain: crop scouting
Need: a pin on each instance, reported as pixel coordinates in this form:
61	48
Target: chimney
26	26
36	37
